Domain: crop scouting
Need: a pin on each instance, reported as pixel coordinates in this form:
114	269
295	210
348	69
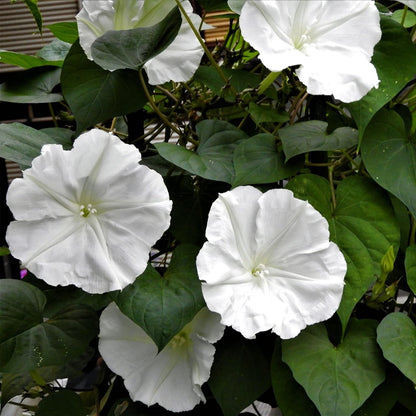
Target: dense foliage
336	129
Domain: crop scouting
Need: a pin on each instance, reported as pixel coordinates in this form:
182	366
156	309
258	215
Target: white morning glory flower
87	216
409	3
268	263
332	41
178	62
172	378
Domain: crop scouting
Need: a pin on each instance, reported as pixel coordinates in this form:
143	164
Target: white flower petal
236	5
172	378
93	214
289	274
409	3
326	40
179	61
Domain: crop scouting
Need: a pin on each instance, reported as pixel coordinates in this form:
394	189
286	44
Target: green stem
331	182
154	106
268	81
404	15
55	122
202	43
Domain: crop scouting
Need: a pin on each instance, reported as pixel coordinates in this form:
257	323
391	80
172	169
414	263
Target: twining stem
55	122
268	81
154	106
406	8
204	46
331	182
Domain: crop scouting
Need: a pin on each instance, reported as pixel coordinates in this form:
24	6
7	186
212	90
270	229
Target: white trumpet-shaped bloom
178	62
332	41
87	216
174	376
268	263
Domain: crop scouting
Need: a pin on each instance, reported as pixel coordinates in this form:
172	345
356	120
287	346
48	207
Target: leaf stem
154	106
268	81
331	182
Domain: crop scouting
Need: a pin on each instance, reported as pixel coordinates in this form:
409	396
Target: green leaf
54	51
131	49
32	86
61	403
60	135
28	341
239	80
395	60
34	9
308	136
13	384
409	19
213	158
239	375
163	306
410	264
65	31
290	396
390	156
95	95
257	160
396	336
362	225
21	144
4	251
337	379
25	61
264	114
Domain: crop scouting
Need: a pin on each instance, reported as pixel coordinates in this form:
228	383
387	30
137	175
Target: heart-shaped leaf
28	340
396	336
131	49
337	379
389	156
163	306
62	403
257	160
95	94
363	226
213	158
395	60
308	136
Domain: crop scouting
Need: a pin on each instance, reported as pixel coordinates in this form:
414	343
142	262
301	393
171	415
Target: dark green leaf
395	60
291	397
25	61
34	9
131	49
96	95
257	160
362	225
239	80
61	403
214	156
265	114
65	31
27	341
396	336
32	86
13	384
163	306
60	135
410	264
22	144
240	374
337	379
308	136
389	156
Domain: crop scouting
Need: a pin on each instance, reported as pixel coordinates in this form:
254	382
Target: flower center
260	271
85	210
179	340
